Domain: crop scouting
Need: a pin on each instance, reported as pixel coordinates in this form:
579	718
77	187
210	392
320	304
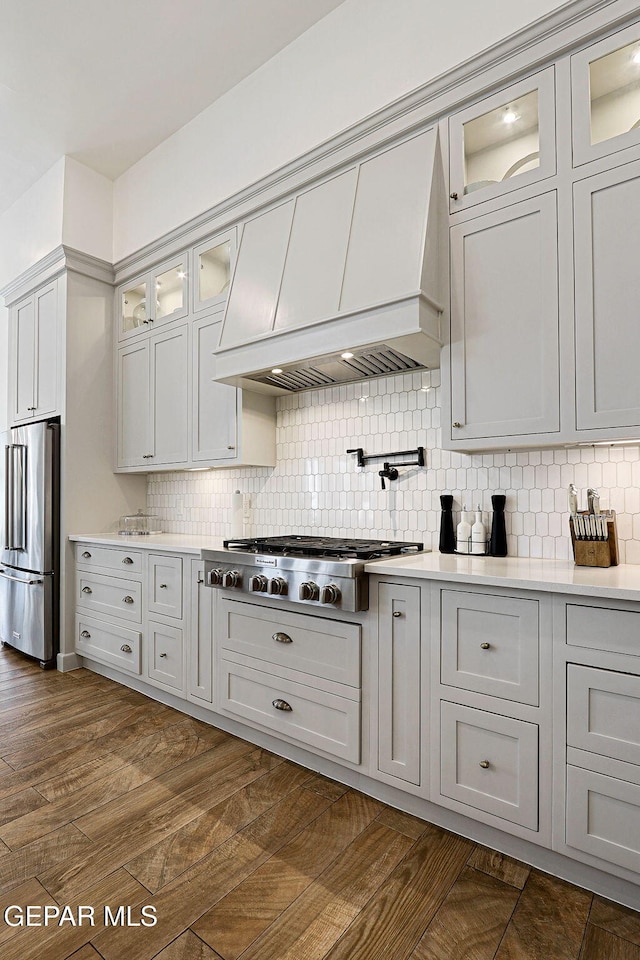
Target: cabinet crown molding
61	258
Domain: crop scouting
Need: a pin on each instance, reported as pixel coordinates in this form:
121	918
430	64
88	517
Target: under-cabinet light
510	117
636	57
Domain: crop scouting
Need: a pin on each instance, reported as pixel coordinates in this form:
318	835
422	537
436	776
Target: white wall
32	227
87	223
359	58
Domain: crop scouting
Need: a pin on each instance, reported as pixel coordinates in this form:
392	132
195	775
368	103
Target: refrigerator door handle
19	496
8	497
7	576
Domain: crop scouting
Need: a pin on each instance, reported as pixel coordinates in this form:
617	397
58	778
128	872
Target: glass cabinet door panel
214	271
614	93
133	308
170	291
502	143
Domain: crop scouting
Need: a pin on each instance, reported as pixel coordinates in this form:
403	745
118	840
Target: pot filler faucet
390	470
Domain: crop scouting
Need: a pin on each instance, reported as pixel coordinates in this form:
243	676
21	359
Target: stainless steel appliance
315	571
29	539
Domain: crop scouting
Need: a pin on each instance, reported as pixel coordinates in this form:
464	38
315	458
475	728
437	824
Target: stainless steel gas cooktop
317	571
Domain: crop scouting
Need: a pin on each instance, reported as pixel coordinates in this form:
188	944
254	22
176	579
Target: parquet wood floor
110	799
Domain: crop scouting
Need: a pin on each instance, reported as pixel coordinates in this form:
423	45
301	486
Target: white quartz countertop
176	542
556	576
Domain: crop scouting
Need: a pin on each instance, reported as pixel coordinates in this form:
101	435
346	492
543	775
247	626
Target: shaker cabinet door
133	405
169	389
607	293
33	363
215	405
505	379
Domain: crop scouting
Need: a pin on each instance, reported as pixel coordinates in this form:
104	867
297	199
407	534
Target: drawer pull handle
127	560
485	646
85	634
128	600
163	655
163	586
86	555
282	638
87	590
484	764
282	705
126	648
397	613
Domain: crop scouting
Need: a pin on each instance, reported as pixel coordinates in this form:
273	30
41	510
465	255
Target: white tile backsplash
316	488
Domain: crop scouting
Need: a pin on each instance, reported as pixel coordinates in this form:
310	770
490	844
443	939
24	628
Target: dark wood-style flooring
108	798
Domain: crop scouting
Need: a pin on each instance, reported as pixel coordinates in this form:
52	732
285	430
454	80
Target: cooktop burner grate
301	546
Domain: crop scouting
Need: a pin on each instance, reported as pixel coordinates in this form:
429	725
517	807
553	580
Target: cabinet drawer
602	628
327	649
165	586
490	762
603	817
489	644
322	720
603	712
109	595
89	557
166	655
108	643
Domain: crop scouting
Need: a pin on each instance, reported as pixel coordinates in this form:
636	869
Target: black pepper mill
498	539
447	533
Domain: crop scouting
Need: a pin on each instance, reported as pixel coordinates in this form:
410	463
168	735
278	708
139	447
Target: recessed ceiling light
276	370
510	117
346	356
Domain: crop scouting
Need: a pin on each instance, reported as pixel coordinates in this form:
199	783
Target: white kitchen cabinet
605	90
212	261
504	142
607	293
200	647
33	356
152	401
165	648
504	375
154	298
214	431
400	719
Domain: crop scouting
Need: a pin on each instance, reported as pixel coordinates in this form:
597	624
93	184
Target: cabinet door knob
85	634
485	646
454	195
147	456
128	600
282	705
87	590
397	613
32	408
163	586
230	447
163	655
86	555
282	638
126	648
127	560
199	580
456	424
484	764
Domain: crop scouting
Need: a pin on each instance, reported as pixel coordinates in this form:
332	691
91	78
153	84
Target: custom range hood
343	281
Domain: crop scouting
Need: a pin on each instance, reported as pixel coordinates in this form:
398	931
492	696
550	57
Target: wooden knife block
596	553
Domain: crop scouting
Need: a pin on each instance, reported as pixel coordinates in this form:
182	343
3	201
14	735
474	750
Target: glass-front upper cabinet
504	142
212	265
155	298
605	82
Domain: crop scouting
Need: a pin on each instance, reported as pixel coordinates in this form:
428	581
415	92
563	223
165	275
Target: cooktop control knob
258	584
309	590
215	578
231	578
278	587
330	593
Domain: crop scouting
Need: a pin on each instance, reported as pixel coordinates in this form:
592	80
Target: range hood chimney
354	265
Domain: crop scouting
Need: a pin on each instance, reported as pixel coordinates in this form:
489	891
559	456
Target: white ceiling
105	81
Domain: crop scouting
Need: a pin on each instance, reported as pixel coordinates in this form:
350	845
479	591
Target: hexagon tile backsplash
317	488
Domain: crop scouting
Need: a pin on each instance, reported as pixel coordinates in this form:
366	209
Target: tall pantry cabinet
60	365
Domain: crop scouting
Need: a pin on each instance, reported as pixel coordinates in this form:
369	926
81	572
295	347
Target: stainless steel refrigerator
29	539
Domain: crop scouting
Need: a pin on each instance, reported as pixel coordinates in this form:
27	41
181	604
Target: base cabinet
399	716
